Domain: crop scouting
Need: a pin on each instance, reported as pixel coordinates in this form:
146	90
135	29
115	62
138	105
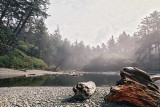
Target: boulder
135	87
84	90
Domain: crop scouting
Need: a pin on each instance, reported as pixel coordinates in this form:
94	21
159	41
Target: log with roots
84	90
135	87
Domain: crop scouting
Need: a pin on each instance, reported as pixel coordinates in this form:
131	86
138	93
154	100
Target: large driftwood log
135	87
84	90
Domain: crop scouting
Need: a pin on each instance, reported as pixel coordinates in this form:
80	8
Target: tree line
22	27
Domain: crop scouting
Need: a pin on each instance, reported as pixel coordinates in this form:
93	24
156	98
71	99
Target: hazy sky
94	21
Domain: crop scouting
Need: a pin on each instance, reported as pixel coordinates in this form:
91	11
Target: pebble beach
50	97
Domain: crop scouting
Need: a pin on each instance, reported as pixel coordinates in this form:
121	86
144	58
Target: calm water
104	79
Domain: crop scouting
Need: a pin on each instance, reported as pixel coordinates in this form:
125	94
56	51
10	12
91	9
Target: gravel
50	97
53	97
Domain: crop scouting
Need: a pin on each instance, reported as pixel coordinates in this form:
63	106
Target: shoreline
12	73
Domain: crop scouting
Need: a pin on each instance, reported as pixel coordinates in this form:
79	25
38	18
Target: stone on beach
84	90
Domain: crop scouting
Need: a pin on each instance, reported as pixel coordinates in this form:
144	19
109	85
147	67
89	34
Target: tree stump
135	87
84	90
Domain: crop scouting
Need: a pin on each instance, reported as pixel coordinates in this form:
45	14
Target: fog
110	56
95	21
139	50
108	35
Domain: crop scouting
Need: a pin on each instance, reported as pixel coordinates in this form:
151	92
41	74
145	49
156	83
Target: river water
101	79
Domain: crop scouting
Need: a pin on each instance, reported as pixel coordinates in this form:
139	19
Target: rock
84	90
27	105
135	87
86	105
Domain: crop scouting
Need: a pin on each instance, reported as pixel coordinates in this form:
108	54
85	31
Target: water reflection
61	80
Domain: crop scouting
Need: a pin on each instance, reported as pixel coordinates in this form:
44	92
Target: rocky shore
50	97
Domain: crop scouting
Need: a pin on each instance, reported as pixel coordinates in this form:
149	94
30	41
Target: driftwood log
135	87
84	90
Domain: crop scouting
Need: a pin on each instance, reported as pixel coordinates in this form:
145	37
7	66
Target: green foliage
52	68
28	49
6	35
21	81
107	63
18	60
16	14
23	46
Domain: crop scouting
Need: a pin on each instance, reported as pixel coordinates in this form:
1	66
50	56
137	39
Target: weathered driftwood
155	77
84	90
135	87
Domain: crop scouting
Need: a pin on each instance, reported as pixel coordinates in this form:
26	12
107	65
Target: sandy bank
10	73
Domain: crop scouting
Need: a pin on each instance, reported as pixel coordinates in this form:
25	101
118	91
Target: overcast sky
95	21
